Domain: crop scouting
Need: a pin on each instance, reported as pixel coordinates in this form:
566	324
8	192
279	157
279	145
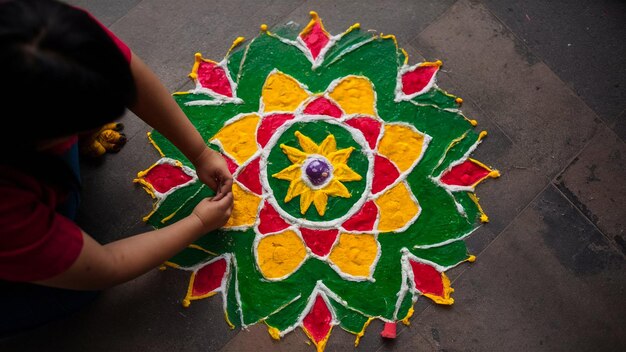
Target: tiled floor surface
547	80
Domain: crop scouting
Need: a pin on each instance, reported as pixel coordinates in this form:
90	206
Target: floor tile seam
469	97
542	60
623	113
580	212
474	103
523	150
285	19
536	197
125	14
489	116
435	20
554	182
576	156
498	236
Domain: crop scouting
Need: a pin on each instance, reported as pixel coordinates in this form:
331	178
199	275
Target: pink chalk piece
369	127
269	125
164	177
323	106
270	221
364	219
427	279
315	39
415	81
319	241
389	331
208	278
385	173
467	173
232	166
318	321
250	177
214	77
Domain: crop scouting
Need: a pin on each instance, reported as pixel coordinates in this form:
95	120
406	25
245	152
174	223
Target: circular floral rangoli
353	182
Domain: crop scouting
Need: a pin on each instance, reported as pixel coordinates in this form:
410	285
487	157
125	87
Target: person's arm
102	266
157	108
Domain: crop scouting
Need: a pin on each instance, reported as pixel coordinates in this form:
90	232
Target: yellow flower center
317	172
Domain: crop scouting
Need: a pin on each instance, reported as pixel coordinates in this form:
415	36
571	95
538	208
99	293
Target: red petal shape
319	241
232	166
369	127
270	220
467	173
208	278
268	126
323	106
389	331
385	173
250	178
214	78
317	321
164	177
315	39
363	220
416	80
427	279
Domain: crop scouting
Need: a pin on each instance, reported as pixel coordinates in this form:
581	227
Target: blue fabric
70	208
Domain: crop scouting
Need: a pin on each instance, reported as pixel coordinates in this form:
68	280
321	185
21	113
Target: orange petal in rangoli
318	323
315	36
211	76
206	281
467	174
419	79
163	176
431	283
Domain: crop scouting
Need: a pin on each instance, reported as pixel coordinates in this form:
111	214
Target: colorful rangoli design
353	182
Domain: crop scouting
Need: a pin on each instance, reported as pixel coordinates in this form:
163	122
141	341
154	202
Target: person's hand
213	213
213	171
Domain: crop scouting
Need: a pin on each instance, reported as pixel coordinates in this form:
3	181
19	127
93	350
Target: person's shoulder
121	45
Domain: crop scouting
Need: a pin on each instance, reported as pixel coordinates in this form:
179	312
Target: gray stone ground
546	79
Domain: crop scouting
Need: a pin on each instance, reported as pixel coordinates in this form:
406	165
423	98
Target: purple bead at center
317	171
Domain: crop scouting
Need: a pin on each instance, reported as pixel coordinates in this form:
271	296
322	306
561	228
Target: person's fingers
227	184
211	182
226	201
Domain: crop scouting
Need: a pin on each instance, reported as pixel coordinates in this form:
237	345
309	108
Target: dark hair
60	72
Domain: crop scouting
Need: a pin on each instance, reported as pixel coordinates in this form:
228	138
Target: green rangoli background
436	237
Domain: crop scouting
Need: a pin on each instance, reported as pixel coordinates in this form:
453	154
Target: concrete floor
546	79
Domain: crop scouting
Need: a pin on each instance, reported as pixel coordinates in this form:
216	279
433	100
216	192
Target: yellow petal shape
282	92
336	188
329	145
289	173
296	156
343	172
355	95
296	188
320	200
238	139
355	254
245	208
307	144
396	208
341	156
402	145
306	198
279	255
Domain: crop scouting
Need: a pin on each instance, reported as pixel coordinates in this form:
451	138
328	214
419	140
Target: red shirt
36	242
